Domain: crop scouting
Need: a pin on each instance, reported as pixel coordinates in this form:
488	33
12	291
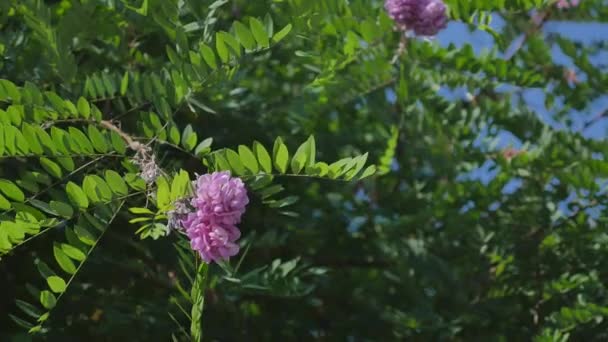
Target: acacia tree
111	109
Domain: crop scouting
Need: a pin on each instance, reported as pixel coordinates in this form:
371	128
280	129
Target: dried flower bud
149	170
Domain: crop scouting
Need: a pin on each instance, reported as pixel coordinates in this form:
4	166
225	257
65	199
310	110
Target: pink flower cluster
218	204
424	17
567	3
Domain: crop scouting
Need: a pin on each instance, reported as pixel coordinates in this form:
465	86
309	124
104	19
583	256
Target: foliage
297	97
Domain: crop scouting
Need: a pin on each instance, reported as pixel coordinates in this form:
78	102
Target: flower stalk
198	302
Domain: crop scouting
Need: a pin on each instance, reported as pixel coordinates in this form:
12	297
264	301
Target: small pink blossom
570	76
510	153
565	4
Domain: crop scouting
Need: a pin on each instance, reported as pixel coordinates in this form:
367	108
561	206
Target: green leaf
312	151
189	138
179	86
44	207
1	139
63	209
124	83
51	167
11	190
81	139
204	147
44	269
85	235
47	299
73	252
118	143
319	169
244	35
73	239
263	157
30	210
4	203
338	168
90	189
271	190
282	34
180	185
235	162
221	48
76	195
135	182
31	135
141	211
9	139
300	157
174	136
220	163
116	183
83	108
260	181
21	144
42	318
15	113
163	193
56	284
63	260
269	25
21	322
208	56
98	140
284	202
248	159
103	189
28	308
359	164
60	141
67	163
259	32
232	42
12	90
280	155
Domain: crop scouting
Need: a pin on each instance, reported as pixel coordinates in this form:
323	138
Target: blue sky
582	32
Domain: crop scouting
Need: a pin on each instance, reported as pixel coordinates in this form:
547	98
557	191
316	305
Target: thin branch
43	191
40	233
292	175
32	155
595	120
73	276
543	17
134	145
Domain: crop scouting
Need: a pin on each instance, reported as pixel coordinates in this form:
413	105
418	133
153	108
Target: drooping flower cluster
424	17
218	205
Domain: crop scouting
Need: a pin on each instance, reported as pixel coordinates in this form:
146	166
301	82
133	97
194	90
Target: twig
544	16
593	121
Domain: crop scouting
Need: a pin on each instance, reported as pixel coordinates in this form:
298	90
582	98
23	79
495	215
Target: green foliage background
329	251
